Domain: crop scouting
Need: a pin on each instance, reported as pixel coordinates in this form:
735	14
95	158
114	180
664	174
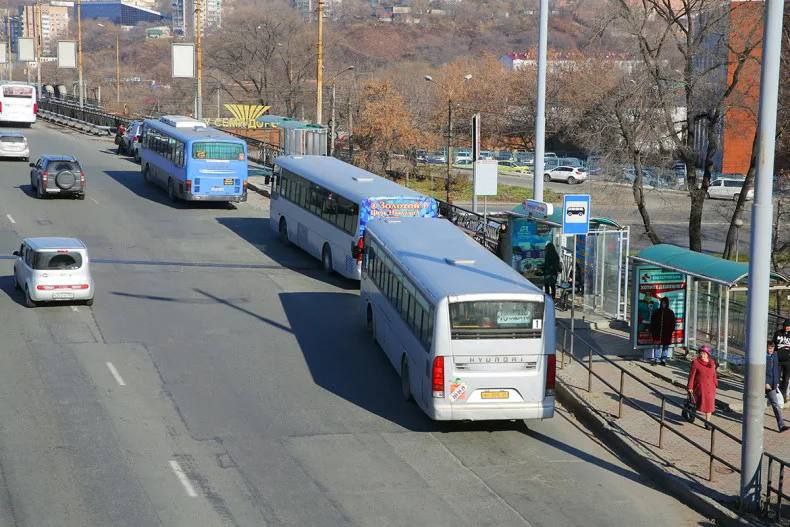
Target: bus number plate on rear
228	181
500	394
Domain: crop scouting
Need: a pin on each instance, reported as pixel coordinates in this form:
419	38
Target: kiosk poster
528	241
654	284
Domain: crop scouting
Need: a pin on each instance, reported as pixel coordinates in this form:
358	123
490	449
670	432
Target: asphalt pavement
221	379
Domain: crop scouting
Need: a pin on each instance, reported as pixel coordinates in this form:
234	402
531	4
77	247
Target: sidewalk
685	467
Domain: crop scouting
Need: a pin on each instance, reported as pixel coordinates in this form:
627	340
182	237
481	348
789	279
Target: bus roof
189	134
445	261
351	182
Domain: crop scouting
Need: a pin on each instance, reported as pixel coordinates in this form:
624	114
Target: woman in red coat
703	383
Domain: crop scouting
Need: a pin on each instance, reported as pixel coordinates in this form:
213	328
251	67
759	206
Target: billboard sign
26	50
183	60
485	178
67	54
653	284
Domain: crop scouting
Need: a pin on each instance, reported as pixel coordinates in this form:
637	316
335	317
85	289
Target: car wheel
29	302
39	192
80	196
735	197
283	231
66	179
326	259
571	180
546	178
171	190
405	382
89	302
707	195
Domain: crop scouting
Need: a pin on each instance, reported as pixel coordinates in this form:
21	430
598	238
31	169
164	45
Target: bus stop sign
575	214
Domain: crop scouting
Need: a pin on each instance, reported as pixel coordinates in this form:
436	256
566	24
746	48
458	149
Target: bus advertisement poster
528	242
403	207
653	284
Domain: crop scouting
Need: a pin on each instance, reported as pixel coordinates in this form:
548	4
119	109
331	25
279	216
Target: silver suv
57	175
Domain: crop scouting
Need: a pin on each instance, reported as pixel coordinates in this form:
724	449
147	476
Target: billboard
183	59
26	50
653	284
3	55
67	54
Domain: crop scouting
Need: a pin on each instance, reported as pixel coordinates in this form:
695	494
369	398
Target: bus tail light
358	249
551	374
244	185
188	185
437	377
1	107
35	108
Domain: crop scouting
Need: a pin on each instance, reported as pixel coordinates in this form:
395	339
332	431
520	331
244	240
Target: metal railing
585	360
88	114
483	229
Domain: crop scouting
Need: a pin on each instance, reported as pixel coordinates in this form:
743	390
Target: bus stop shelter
703	291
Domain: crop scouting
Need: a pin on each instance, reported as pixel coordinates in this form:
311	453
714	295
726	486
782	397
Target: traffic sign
576	214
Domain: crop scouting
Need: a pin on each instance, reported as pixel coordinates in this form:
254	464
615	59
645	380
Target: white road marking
93	200
182	477
10	218
118	378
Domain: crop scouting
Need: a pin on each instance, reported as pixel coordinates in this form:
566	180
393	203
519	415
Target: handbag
690	409
780	397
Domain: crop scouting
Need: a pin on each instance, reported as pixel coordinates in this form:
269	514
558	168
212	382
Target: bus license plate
228	181
217	189
500	394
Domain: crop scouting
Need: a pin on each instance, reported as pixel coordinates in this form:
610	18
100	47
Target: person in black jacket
782	344
772	384
662	326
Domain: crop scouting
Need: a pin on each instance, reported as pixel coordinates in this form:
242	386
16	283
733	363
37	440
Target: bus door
218	169
497	352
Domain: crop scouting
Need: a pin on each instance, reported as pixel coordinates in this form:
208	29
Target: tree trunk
639	199
729	243
695	219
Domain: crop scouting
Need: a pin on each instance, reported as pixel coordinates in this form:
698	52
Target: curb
663	476
260	190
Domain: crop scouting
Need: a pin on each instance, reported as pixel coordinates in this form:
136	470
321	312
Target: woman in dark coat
551	268
703	383
662	327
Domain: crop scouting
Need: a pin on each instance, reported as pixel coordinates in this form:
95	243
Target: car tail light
54	287
80	286
188	185
82	177
437	377
35	107
45	287
551	373
44	176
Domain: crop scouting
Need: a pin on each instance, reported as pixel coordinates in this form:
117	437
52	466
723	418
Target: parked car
570	175
14	145
436	159
503	155
53	269
57	174
464	163
525	158
130	141
513	166
728	188
486	154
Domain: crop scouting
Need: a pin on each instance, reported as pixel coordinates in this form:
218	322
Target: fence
484	229
583	353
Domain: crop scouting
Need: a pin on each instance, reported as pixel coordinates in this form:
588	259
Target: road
221	379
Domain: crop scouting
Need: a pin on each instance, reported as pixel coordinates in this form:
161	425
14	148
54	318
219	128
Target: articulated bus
322	205
192	161
18	103
469	336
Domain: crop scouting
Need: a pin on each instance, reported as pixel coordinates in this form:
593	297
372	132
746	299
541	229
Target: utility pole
350	131
199	59
37	31
117	67
332	127
79	55
760	262
540	103
475	157
319	64
449	148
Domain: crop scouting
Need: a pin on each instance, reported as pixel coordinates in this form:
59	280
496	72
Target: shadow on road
133	180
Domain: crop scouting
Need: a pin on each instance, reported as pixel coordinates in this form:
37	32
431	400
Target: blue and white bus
470	337
322	205
192	161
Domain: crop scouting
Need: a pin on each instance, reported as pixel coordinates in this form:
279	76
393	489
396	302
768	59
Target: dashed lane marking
114	372
182	477
10	218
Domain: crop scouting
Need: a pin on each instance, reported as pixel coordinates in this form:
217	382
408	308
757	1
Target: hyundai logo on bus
575	214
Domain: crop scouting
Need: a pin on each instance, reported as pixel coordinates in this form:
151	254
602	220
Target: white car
14	144
728	188
569	175
53	269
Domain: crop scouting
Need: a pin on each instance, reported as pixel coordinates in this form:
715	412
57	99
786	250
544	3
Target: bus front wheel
283	230
326	259
405	382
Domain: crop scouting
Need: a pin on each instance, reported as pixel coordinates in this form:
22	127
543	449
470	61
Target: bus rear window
57	260
496	319
18	91
218	151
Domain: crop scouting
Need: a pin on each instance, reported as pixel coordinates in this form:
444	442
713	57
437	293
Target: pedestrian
551	268
772	386
782	344
703	383
662	328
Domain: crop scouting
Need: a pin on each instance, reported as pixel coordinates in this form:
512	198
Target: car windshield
60	166
62	260
12	139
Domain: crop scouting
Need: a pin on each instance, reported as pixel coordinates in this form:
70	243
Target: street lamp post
79	55
332	110
449	138
738	225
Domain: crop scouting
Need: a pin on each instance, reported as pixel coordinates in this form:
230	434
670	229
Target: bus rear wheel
405	382
326	259
283	231
171	190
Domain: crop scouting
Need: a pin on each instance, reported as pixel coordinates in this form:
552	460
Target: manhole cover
44	222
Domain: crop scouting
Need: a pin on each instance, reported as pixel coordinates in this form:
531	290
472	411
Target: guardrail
773	495
483	229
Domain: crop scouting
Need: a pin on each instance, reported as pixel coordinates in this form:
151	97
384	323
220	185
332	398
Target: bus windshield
492	318
25	92
218	151
397	207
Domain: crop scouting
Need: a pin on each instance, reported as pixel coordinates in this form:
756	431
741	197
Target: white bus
322	205
470	337
18	103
